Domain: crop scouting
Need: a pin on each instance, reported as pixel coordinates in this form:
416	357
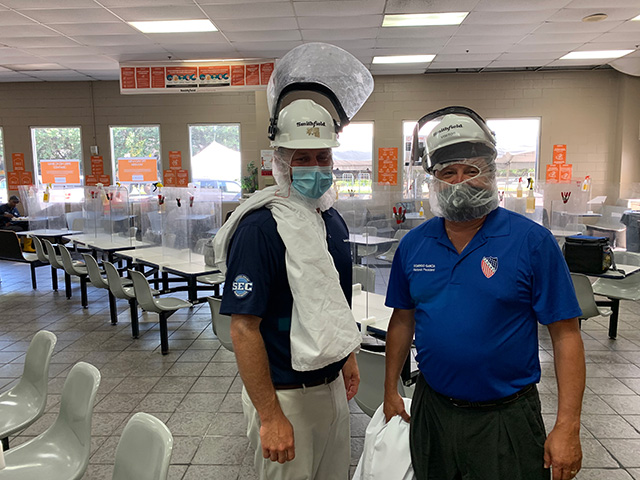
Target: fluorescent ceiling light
175	26
424	19
403	59
636	18
594	54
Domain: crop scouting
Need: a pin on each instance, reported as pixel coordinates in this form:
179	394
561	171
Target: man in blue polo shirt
473	284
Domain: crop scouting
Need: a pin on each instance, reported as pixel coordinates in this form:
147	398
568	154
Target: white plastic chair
123	288
365	276
62	451
42	255
77	269
387	256
221	324
586	300
144	449
164	307
24	404
56	263
371	389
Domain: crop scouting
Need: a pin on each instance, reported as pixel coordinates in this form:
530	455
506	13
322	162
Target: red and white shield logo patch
489	266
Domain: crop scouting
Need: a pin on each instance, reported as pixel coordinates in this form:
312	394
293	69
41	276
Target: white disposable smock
386	454
323	329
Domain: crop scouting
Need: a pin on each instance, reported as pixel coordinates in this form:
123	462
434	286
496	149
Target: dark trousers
504	442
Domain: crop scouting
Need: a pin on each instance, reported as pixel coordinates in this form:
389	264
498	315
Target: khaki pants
320	419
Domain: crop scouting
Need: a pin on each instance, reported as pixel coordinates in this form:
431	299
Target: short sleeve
553	295
398	291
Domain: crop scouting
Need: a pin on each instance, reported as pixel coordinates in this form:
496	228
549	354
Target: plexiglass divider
45	209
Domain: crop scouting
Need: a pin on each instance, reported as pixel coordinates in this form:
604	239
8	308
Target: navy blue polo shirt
6	208
257	285
477	312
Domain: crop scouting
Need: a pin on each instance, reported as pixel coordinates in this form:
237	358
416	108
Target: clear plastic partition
190	217
147	211
118	220
94	208
568	205
44	208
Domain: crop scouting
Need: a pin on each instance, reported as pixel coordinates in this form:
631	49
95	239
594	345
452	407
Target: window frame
37	173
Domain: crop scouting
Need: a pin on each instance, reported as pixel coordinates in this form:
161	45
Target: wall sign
141	78
137	170
60	172
388	166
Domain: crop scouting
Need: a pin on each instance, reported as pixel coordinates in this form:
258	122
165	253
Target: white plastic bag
386	454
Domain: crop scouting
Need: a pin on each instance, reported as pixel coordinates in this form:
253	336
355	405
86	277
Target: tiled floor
195	389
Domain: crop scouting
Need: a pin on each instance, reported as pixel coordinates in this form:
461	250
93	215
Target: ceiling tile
48	4
110	28
259	46
525	49
538	56
46	51
202	38
577	14
519	5
71	15
445	64
16	77
628	27
427	45
578	27
60	76
14	18
336	8
555	38
508	18
161	12
619	37
111	40
467	40
339	34
608	46
474	49
28	42
25	67
144	3
256	24
511	64
364	21
140	57
504	30
264	36
200	51
419	32
32	30
433	6
114	50
577	63
600	5
246	10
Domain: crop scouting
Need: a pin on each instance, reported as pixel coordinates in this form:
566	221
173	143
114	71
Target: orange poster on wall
26	178
559	154
182	178
128	77
169	178
178	77
17	160
553	173
266	69
175	160
237	75
388	166
143	169
143	77
104	179
60	172
97	165
157	77
90	180
565	173
214	76
253	74
13	180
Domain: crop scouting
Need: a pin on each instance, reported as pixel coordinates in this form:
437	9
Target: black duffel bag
588	255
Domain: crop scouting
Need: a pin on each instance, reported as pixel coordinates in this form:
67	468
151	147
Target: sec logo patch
242	286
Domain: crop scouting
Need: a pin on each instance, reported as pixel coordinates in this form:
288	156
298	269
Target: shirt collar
497	224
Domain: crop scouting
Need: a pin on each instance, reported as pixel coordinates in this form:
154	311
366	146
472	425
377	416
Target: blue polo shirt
257	285
477	312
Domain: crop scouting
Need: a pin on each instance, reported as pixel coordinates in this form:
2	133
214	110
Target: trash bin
631	219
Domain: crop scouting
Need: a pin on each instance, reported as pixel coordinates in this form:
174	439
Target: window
3	173
353	159
517	143
135	155
415	186
215	158
57	154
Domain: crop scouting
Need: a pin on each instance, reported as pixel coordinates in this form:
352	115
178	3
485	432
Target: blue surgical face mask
312	182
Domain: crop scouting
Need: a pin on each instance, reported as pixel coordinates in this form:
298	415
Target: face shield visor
325	69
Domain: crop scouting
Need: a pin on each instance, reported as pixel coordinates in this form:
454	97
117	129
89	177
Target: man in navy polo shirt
473	284
298	420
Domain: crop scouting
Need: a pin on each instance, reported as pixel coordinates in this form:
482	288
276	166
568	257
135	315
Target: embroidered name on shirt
489	266
242	286
424	267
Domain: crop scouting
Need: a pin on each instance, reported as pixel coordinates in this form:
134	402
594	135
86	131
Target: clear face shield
457	150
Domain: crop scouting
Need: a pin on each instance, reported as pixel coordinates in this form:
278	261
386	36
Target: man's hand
351	375
276	438
394	405
8	214
563	453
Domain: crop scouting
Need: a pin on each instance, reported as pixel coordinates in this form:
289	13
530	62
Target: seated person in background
8	211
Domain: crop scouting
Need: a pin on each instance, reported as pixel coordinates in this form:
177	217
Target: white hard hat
457	137
305	124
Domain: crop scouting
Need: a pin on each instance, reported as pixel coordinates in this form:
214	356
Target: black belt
490	403
314	383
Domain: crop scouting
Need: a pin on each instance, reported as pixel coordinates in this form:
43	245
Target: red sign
26	178
157	77
182	178
252	75
169	178
13	180
128	77
237	75
388	165
559	154
175	160
17	159
266	69
143	77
